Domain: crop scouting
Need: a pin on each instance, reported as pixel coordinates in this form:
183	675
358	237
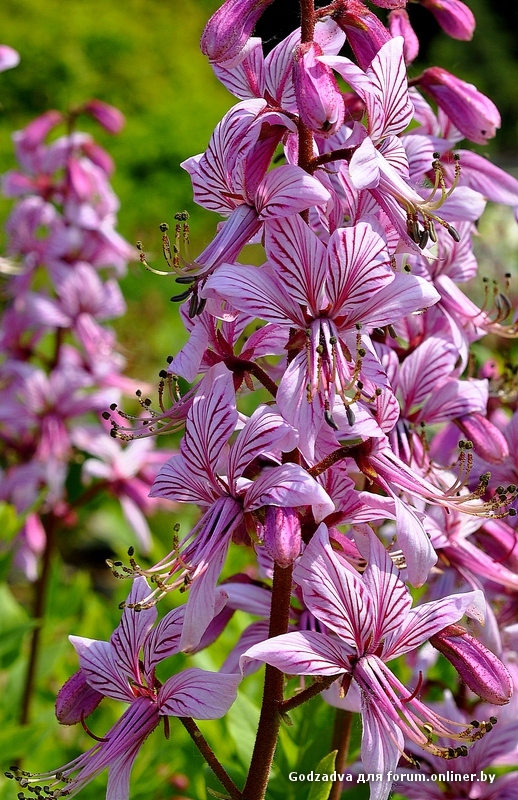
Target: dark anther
350	415
131	551
139	393
330	421
113	406
193	305
164	227
185	279
162	373
453	233
105	415
170	359
475	723
423	239
178	298
493	720
201	306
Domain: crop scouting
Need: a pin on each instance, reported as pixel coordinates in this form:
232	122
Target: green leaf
243	719
320	790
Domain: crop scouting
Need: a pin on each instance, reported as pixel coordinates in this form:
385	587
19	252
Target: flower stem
38	612
209	756
307	30
311	691
340	743
270	718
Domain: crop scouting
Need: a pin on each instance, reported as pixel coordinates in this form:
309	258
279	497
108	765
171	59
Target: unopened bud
320	102
76	700
478	667
282	534
399	25
454	17
365	33
228	30
474	114
111	119
490	444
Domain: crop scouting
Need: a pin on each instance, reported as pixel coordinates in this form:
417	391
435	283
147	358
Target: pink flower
114	669
370	621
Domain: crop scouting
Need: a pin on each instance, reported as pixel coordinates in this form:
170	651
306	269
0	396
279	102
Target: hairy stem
311	691
209	756
340	743
270	718
307	30
38	612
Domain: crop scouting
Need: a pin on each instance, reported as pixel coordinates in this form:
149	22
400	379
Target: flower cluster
349	483
60	363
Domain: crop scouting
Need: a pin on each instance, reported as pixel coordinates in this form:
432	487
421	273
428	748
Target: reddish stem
340	743
209	756
270	718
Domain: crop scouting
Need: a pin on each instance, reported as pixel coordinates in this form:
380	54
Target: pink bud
478	667
365	32
111	119
319	100
490	443
454	17
474	114
399	25
282	535
76	700
9	58
229	29
36	131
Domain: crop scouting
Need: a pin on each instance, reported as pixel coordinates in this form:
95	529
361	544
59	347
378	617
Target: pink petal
334	592
198	693
302	653
300	260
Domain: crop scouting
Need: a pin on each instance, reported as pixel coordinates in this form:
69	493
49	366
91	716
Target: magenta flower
326	295
231	178
114	669
399	25
210	474
271	77
371	622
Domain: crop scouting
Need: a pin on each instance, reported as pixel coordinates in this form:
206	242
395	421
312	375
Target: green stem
270	718
209	756
40	597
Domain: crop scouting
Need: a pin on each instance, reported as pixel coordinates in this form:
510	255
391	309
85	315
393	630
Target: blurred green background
142	56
